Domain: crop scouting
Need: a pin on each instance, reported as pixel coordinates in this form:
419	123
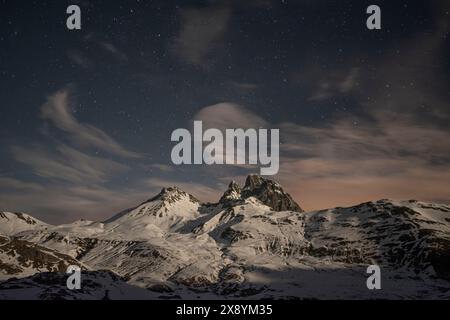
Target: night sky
86	115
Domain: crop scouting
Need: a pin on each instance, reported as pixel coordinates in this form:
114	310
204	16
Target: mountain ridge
257	241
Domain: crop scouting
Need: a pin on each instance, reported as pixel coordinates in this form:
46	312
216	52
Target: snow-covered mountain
14	222
257	242
166	212
408	235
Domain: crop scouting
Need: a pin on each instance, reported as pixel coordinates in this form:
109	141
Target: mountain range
256	242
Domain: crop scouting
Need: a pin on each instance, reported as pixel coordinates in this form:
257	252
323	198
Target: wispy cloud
344	163
160	167
328	85
228	115
11	185
66	181
67	164
57	204
201	33
79	59
113	50
57	110
353	159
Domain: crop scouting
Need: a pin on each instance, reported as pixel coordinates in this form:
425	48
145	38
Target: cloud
244	87
56	204
353	159
71	183
201	32
113	50
402	79
160	167
57	111
343	163
386	135
11	185
332	84
228	115
396	146
79	59
345	190
67	164
93	51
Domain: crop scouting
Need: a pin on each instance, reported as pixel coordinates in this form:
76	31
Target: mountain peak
14	222
165	210
267	191
233	193
255	181
172	194
18	216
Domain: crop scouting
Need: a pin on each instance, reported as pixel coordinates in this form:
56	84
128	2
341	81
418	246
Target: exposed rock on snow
21	258
267	191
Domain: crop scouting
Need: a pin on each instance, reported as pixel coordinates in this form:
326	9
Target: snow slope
13	222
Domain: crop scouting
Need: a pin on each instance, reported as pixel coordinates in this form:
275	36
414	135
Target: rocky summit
266	191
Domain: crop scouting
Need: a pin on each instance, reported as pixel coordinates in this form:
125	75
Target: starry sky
86	115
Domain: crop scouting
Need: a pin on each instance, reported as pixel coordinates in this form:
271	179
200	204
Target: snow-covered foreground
256	242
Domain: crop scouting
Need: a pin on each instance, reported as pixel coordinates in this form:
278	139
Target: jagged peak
265	190
232	193
254	181
233	185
